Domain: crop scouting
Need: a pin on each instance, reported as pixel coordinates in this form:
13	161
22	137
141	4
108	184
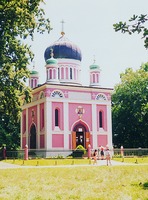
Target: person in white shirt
108	156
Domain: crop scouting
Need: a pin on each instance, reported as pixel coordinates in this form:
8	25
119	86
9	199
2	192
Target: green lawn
46	162
135	160
79	183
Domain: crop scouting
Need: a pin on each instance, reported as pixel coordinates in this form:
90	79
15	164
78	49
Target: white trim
109	123
66	132
48	125
94	126
38	126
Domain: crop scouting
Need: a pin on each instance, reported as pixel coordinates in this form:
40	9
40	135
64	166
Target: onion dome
63	48
34	78
51	61
33	72
94	74
94	66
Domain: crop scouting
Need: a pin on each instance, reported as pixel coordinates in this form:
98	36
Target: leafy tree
19	19
130	109
136	25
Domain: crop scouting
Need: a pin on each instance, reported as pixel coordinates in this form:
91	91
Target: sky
89	24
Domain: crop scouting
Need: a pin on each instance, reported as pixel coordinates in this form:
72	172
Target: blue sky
89	24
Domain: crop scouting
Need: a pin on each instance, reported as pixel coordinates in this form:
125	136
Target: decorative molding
101	97
57	93
41	95
80	111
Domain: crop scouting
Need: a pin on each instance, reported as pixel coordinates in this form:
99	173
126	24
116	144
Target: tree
130	109
18	21
136	25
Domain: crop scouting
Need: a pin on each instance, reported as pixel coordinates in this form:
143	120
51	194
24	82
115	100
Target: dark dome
63	48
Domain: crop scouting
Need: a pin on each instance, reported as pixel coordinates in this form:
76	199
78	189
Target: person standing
102	153
108	156
95	156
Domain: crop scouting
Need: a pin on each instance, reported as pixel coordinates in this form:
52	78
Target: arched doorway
80	136
33	137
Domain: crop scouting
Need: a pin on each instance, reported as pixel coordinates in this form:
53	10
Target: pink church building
63	113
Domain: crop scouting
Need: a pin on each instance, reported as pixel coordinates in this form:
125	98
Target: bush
78	152
80	147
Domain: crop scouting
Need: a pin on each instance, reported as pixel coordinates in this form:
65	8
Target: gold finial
62	32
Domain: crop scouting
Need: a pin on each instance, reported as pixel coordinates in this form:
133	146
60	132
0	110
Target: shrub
80	147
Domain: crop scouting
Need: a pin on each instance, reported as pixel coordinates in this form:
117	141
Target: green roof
94	66
33	72
51	61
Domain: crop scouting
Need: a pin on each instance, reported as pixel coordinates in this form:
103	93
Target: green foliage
136	25
80	147
130	109
78	152
18	20
9	136
145	185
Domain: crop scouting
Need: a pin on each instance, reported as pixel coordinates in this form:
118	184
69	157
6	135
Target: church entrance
80	136
33	137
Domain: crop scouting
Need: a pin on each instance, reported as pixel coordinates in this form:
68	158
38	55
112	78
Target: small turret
52	69
34	78
94	74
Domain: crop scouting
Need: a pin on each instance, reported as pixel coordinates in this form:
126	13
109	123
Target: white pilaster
48	124
94	126
38	126
66	132
109	122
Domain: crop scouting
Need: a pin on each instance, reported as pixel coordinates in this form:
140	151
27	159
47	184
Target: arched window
93	78
70	73
50	74
56	117
58	73
33	137
24	123
31	83
100	119
35	82
42	119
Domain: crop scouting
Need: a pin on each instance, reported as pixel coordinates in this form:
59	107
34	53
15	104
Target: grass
46	162
52	162
136	160
75	183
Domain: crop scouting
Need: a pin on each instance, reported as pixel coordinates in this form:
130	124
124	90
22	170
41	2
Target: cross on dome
33	65
62	32
51	52
94	60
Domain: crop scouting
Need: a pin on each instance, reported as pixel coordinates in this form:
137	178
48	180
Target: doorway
80	138
33	137
80	135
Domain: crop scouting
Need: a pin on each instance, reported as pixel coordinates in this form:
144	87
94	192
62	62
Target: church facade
63	113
